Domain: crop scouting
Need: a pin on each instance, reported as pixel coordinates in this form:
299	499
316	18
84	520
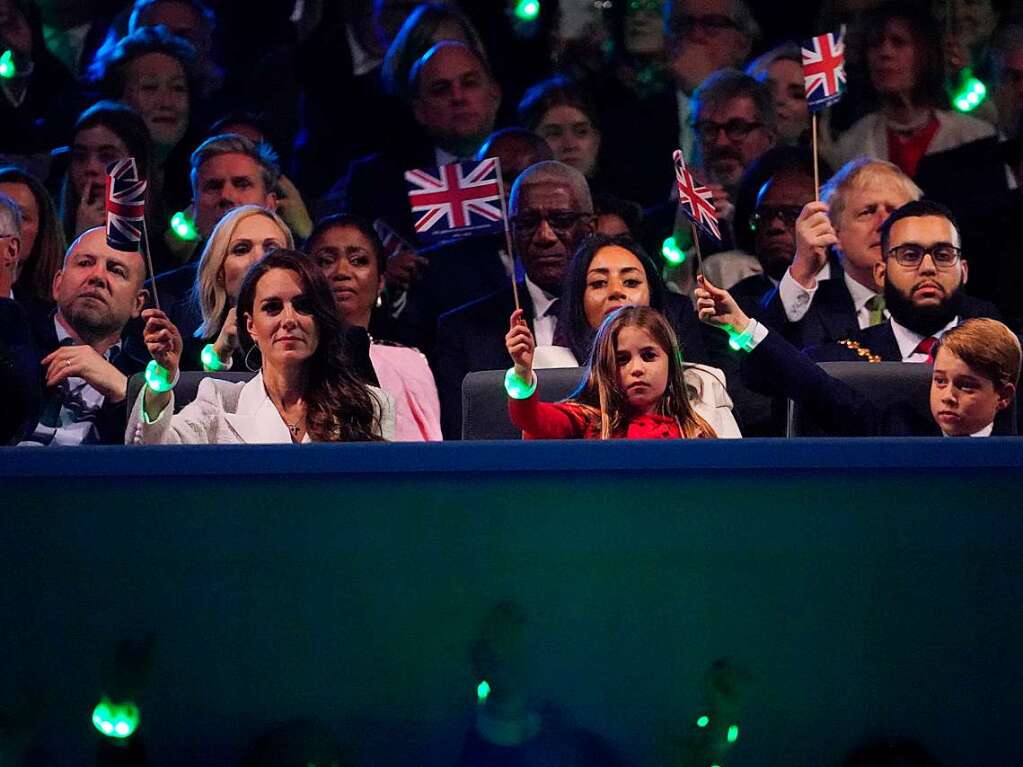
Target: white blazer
228	413
712	401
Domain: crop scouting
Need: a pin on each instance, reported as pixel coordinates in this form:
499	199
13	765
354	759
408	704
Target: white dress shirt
794	297
909	340
543	326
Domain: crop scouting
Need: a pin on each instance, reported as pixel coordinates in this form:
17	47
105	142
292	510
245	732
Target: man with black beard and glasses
922	273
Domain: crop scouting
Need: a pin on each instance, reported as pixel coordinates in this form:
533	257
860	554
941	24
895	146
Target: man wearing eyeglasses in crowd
551	212
921	274
644	121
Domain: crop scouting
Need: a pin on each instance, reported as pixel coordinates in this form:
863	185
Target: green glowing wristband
183	227
516	387
158	378
741	341
116	720
211	362
482	692
8	69
672	251
527	10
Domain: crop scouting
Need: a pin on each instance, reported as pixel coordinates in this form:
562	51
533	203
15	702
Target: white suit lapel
256	420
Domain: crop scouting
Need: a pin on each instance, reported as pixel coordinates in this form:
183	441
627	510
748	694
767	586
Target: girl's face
282	322
642	369
26	202
92	150
156	87
892	59
785	79
252	239
615	278
347	260
572	137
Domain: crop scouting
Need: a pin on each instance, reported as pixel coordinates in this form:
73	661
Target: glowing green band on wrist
741	342
482	692
158	378
970	93
516	387
115	720
527	10
8	68
183	227
211	360
672	251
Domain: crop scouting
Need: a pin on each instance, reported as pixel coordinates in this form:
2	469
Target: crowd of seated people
275	156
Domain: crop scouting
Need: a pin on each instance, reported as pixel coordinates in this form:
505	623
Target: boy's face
962	400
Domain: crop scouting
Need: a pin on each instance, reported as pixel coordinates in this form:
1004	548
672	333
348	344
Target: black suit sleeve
776	365
20	389
450	366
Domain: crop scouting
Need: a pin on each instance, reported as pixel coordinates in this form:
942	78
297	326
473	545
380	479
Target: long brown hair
601	390
48	252
339	404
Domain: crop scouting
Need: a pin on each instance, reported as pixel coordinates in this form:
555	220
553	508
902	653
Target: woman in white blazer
306	390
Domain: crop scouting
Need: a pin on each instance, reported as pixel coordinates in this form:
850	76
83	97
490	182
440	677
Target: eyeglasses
910	255
653	6
736	129
560	221
711	23
765	214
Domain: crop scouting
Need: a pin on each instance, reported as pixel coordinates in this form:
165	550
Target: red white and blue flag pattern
697	202
126	205
458	200
824	70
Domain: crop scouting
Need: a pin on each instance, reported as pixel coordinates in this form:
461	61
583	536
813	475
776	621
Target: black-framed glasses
765	214
711	23
911	255
735	129
560	221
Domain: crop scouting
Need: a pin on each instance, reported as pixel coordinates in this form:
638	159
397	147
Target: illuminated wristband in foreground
115	720
211	362
516	387
742	341
158	378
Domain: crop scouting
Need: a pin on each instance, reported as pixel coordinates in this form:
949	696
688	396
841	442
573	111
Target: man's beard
923	320
91	325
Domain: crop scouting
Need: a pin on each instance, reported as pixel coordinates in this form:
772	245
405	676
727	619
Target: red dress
564	420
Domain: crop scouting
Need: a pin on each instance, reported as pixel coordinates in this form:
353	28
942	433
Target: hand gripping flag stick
126	213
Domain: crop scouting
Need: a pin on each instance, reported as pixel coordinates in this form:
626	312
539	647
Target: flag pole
816	167
149	264
696	244
507	232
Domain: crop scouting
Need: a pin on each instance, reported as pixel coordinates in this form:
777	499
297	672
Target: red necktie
927	346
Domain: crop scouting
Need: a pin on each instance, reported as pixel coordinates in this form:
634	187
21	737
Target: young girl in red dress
632	388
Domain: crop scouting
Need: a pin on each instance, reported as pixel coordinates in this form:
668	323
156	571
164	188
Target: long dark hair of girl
339	406
601	390
573	312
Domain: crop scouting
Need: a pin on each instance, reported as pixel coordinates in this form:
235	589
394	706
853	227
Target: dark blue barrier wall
867	585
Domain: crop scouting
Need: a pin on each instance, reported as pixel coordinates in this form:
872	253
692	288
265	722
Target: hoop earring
248	364
380	300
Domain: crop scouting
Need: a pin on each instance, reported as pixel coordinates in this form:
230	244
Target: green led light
158	378
672	253
733	733
527	10
483	691
183	226
7	66
518	389
115	720
210	359
970	93
703	721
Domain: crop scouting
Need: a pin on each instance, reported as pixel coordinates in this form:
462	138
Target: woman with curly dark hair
306	390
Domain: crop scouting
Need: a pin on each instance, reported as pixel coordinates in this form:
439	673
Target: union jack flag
697	201
457	200
824	70
126	205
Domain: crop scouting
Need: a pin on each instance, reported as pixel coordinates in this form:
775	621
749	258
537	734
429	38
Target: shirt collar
542	300
445	157
985	432
860	294
908	340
